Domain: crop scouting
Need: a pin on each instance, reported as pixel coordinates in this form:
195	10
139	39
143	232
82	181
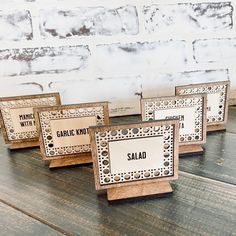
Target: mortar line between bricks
54	227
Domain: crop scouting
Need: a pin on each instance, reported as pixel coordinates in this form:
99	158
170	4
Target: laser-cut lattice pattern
151	105
210	89
102	149
46	116
6	107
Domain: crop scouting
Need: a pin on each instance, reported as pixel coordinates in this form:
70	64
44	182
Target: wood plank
231	124
67	198
70	161
24	145
218	160
125	119
139	190
213	128
195	202
190	149
14	222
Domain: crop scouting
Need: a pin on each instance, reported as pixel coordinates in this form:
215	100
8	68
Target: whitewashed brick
3	2
135	48
215	50
188	17
15	25
43	60
121	92
89	21
139	57
16	87
163	84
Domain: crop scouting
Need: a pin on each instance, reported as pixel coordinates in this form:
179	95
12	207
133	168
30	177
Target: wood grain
66	198
70	161
24	145
138	190
190	149
218	160
213	128
231	124
14	222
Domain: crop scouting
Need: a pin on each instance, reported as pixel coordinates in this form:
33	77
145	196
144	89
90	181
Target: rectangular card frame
201	86
173	98
24	142
140	125
64	158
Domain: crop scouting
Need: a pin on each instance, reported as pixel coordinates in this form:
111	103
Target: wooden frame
123	180
74	147
193	134
19	132
219	89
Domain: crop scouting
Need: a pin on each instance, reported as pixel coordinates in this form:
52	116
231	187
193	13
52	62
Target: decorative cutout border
29	101
198	102
45	115
101	136
210	88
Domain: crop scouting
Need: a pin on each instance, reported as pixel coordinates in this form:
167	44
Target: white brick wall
115	50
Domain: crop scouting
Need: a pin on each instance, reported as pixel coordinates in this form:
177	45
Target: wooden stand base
138	190
213	128
70	161
190	149
24	145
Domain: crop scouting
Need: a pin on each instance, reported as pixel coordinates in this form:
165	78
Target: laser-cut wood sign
64	138
135	159
17	118
191	112
217	101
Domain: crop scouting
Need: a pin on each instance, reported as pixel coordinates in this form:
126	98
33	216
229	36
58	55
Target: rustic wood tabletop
37	201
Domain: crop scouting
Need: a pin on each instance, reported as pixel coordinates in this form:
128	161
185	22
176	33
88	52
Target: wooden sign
217	101
17	118
191	112
135	159
64	138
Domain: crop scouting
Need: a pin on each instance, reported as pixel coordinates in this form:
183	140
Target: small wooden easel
71	160
138	190
191	149
20	145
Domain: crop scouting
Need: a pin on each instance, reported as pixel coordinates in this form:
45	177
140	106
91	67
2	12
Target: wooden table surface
37	201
